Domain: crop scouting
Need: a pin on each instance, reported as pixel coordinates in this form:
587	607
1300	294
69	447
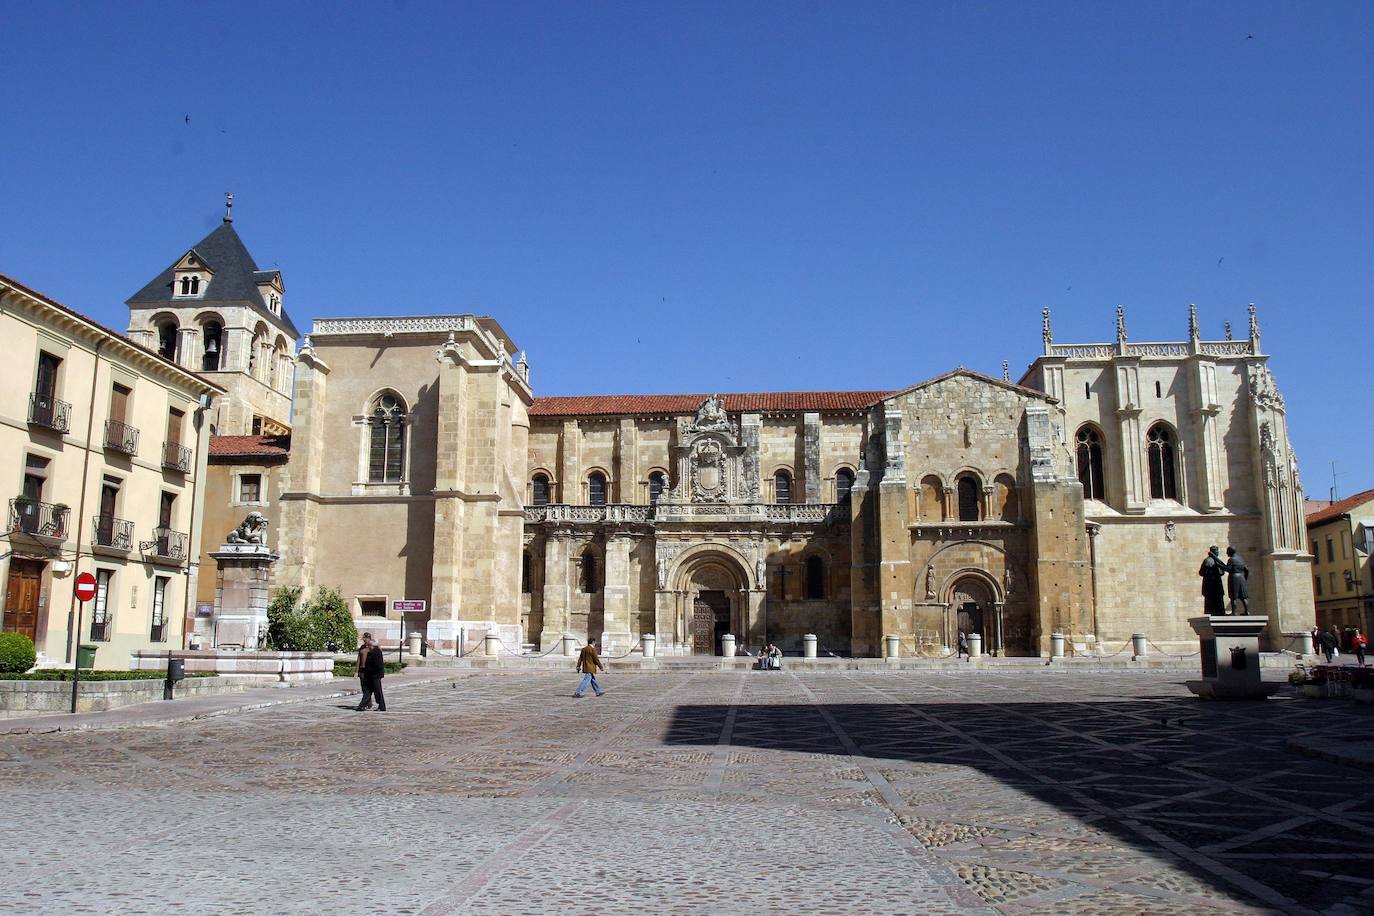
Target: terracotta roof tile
250	446
1339	508
641	404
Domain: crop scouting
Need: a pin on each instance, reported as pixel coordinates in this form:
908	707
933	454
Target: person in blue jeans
588	663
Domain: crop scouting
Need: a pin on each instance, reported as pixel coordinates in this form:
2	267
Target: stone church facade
422	468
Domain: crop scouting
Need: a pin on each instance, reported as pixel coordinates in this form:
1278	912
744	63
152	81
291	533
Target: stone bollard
491	645
894	646
1056	645
727	646
569	645
413	642
809	645
975	646
1138	646
649	647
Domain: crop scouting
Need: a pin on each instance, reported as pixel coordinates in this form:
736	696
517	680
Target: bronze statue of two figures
1236	573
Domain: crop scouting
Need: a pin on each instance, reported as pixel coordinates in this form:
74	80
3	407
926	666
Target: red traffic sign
85	587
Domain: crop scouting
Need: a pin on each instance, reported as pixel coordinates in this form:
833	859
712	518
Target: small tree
331	622
17	653
288	624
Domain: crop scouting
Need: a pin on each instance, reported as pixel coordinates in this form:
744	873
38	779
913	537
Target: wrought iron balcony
46	410
176	457
100	630
167	545
115	533
158	633
38	519
121	437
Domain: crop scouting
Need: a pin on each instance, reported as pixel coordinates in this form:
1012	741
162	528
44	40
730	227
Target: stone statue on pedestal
1212	571
252	530
1237	580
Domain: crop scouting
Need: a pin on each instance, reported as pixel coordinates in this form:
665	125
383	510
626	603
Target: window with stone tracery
1090	462
1163	456
387	440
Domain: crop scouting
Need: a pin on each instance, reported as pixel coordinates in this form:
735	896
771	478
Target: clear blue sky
729	197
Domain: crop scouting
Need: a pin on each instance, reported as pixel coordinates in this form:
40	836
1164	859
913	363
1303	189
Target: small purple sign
408	607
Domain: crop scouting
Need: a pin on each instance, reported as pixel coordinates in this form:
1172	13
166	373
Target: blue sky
729	197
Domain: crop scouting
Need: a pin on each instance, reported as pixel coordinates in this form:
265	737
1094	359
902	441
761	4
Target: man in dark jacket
371	672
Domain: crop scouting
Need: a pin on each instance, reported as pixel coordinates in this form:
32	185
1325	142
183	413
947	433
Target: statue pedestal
1230	658
241	585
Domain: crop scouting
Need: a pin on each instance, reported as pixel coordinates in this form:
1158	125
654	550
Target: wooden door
21	597
703	628
119	403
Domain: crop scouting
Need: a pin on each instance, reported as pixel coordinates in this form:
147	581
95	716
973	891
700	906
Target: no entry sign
85	587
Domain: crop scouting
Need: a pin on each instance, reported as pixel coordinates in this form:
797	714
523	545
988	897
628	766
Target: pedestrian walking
371	670
1328	644
1358	642
1335	634
963	646
588	663
1316	641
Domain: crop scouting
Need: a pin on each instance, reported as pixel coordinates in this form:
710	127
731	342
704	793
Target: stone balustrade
813	513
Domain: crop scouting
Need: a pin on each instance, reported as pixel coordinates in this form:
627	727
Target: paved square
1018	792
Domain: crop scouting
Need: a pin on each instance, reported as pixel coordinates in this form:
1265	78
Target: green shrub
16	653
332	622
322	625
350	669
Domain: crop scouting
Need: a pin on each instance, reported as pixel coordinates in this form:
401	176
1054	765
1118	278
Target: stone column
894	574
1211	474
188	351
627	462
300	509
570	464
1132	440
811	451
557	596
616	594
757	619
245	572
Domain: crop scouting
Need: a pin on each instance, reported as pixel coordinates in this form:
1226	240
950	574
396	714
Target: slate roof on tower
235	281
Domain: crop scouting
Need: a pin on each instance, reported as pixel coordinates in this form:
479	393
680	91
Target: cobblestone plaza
705	791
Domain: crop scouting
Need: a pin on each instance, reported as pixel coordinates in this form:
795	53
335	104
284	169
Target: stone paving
695	792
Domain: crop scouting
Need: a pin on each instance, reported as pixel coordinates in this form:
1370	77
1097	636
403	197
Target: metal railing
158	633
121	437
177	457
39	519
166	544
109	531
46	410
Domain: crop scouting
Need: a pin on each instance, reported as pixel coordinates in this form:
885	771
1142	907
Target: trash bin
176	670
85	656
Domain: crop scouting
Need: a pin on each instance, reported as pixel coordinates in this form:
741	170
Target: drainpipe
1093	529
73	625
193	553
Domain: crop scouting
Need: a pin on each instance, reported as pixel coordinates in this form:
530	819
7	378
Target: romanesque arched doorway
974	604
715	587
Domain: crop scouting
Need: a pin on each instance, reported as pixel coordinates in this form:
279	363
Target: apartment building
105	442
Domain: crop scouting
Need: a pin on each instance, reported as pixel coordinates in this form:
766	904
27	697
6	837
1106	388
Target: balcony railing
38	519
115	533
559	512
165	545
100	630
158	633
121	437
46	410
176	457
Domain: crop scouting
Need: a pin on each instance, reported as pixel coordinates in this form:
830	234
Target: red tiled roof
250	446
1339	508
639	404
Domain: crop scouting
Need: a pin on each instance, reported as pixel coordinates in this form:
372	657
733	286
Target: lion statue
253	530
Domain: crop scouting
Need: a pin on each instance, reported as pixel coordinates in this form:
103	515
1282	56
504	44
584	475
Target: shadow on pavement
1208	787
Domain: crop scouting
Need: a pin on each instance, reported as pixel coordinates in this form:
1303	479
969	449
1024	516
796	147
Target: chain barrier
1170	654
1124	646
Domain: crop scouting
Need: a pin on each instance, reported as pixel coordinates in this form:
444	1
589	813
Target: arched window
539	490
968	498
844	482
213	333
658	482
815	577
195	286
596	489
186	286
1008	503
386	447
167	339
1090	462
588	580
782	488
932	499
1162	461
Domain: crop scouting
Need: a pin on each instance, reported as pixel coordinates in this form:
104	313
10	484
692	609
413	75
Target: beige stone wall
78	463
224	510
